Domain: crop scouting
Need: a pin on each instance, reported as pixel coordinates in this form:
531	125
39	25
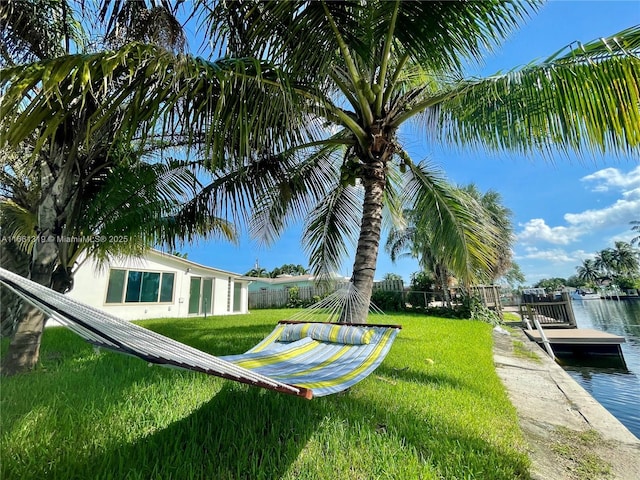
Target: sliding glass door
201	296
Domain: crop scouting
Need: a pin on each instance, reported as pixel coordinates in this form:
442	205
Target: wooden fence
280	297
389	285
489	295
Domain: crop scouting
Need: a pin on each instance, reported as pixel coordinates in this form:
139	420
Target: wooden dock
579	343
576	336
551	323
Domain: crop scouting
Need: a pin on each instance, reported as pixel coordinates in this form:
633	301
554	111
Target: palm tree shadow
247	433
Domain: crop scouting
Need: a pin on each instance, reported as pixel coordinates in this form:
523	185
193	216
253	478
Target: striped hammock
299	357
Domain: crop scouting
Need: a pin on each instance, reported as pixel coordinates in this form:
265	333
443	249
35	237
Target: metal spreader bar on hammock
299	357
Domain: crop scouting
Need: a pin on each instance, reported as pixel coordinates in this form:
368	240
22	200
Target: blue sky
564	209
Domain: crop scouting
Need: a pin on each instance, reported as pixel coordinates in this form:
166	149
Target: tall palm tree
416	242
491	203
491	229
304	109
605	262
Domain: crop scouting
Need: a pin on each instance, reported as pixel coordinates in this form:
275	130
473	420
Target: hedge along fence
307	294
389	295
477	302
291	296
271	298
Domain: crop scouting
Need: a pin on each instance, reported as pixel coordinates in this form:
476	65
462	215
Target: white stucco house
160	285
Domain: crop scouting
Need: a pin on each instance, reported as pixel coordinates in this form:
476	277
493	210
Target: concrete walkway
570	435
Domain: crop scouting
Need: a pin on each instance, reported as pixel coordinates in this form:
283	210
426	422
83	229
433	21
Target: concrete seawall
563	424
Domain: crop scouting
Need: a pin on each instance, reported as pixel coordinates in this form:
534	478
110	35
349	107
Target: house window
132	286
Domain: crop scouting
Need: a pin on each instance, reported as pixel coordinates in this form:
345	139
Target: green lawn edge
434	409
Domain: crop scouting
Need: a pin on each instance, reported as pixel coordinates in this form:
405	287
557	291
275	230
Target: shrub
388	301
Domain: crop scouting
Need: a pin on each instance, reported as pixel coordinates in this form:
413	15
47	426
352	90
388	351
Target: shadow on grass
75	376
238	432
241	433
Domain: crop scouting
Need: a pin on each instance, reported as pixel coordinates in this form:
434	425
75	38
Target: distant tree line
286	269
617	266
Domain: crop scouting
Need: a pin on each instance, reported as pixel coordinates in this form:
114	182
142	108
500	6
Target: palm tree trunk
364	267
24	349
444	283
56	187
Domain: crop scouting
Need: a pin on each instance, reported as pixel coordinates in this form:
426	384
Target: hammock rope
305	367
338	306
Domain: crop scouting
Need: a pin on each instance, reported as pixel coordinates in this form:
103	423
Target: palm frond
297	183
330	229
437	34
588	98
393	204
38	29
400	243
135	208
441	35
459	232
234	107
17	225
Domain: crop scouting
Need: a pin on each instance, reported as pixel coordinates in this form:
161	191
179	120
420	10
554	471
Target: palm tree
487	239
82	194
288	269
257	272
589	272
635	228
491	203
124	212
605	262
626	260
618	261
416	242
303	112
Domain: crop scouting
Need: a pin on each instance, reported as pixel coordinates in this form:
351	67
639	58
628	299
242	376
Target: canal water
615	385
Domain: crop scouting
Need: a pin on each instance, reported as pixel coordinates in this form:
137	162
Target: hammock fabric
307	359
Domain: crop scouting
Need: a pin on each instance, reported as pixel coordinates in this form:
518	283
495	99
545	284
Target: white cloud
554	255
612	178
632	194
619	213
545	251
537	230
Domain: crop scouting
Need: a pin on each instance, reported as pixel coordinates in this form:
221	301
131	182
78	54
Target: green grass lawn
435	409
